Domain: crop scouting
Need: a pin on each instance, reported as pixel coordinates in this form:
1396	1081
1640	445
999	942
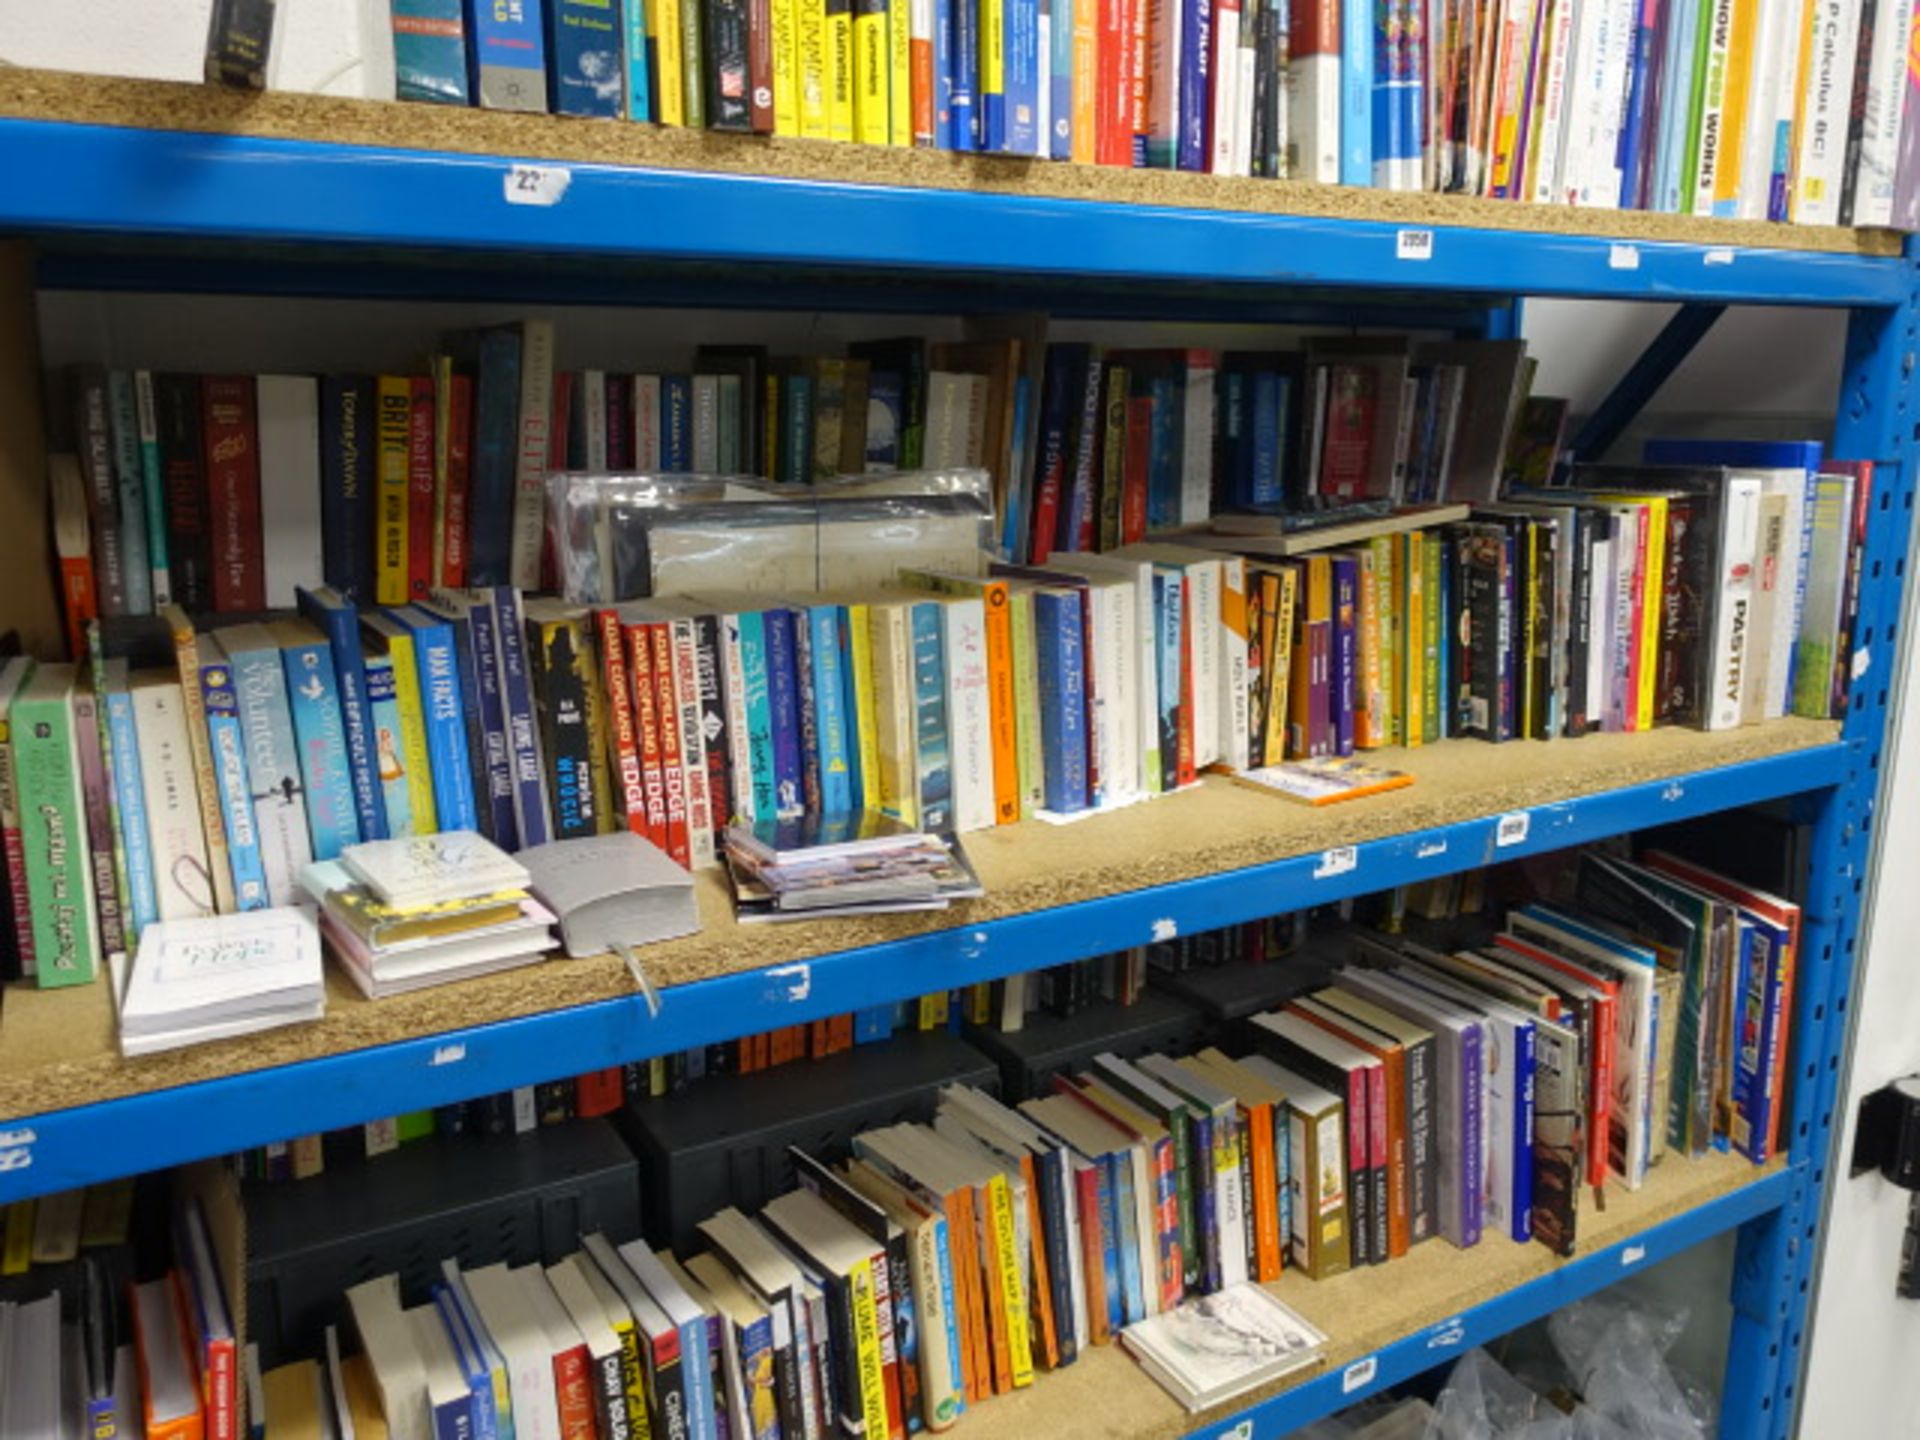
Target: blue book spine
1386	128
1063	706
1104	1170
587	70
1356	92
346	485
947	126
1233	424
935	773
1206	1202
1059	78
1132	1282
857	778
1346	614
313	694
430	51
453	1420
967	117
230	782
811	794
1196	86
696	1364
1633	125
754	673
472	723
523	736
1023	78
639	79
484	652
1522	1217
273	770
1771	997
130	485
508	56
383	699
1749	1029
873	1023
1473	1154
943	1266
676	424
1163	453
496	444
1283	1162
1268	415
990	106
444	709
833	730
466	1351
1683	23
340	623
755	1342
783	700
143	897
1168	605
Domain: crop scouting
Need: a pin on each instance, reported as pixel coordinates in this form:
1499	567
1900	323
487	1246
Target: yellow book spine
993	50
390	474
933	1010
1011	1278
900	73
1026	696
1086	60
871	121
812	50
839	76
600	745
1809	28
787	87
413	734
1656	516
891	668
1734	108
1366	704
1414	612
670	96
16	1248
866	1349
1280	668
865	715
1386	589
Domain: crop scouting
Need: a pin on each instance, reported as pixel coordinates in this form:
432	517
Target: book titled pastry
453	865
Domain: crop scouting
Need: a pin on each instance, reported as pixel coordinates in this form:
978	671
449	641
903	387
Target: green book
53	830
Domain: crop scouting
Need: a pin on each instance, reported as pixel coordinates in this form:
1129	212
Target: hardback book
221	975
423	869
611	891
1217	1346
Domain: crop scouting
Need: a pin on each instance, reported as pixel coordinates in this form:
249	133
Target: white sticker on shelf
1862	658
1242	1431
16	1149
1633	1255
448	1054
1718	256
1430	848
1337	861
1447	1334
1623	257
1413	245
1164	929
796	981
1360	1372
1511	829
537	184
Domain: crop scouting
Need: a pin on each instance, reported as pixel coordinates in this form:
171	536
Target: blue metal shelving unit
157	209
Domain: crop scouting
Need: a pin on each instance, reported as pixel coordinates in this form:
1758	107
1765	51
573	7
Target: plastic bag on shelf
633	536
1483	1401
1616	1350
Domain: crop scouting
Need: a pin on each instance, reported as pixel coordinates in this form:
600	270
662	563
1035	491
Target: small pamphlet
1325	781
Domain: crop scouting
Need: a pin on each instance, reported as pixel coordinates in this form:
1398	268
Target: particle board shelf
1217	854
1434	1302
160	159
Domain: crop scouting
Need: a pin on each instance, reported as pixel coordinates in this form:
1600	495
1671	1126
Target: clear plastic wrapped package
627	537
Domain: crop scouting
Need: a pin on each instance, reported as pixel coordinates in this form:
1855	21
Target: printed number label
1512	829
1413	245
1623	257
537	184
1360	1372
449	1054
1632	1255
16	1149
1717	257
1336	862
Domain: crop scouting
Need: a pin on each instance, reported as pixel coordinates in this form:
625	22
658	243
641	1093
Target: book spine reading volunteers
1594	1016
1794	110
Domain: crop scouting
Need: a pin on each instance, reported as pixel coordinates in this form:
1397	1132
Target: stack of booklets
1208	1350
402	914
859	863
226	975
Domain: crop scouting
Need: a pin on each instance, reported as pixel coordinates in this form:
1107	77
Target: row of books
1788	111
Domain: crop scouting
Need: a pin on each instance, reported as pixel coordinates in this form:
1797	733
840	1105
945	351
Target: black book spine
713	719
1579	625
566	746
729	93
667	1388
189	545
1481	601
496	440
346	479
610	1397
239	39
1684	588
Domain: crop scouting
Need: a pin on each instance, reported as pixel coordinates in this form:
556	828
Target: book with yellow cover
871	64
859	622
394	417
1413	609
663	26
388	636
1653	527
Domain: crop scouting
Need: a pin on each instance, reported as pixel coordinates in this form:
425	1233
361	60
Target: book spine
832	736
523	737
443	707
176	838
392	493
416	761
129	484
273	770
507	62
619	693
153	486
673	769
693	745
584	69
230	434
532	460
93	438
756	668
727	51
97	811
1060	644
143	906
224	739
969	723
1821	134
422	531
495	751
320	732
652	814
565	741
189	535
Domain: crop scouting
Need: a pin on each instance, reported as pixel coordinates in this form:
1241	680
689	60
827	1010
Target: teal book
430	51
224	742
53	830
753	667
934	769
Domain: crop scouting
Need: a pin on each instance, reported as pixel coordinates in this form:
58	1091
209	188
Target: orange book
168	1384
920	58
995	1294
1257	1104
1086	1187
964	1239
1046	1338
1086	61
1393	1057
1002	709
839	1033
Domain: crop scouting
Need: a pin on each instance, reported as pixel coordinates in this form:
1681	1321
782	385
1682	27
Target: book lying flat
1217	1346
221	975
1325	781
610	890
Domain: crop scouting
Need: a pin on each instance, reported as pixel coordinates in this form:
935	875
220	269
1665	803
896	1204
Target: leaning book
1217	1346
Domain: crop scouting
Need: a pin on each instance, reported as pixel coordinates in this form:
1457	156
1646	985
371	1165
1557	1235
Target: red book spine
1599	1123
839	1033
1346	454
599	1092
574	1392
626	750
646	724
453	564
222	1390
819	1044
230	437
760	65
619	422
1086	1184
672	761
1113	93
420	490
1133	485
1183	765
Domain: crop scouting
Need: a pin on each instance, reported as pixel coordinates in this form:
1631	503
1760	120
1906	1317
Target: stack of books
226	975
860	863
399	915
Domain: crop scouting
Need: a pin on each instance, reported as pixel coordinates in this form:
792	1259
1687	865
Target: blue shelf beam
102	180
68	1148
1439	1344
1666	353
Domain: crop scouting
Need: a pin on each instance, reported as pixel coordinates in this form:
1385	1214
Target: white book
259	965
532	457
1112	715
646	423
289	420
549	1314
953	403
733	686
1579	134
273	763
426	869
1733	604
593	417
178	839
1211	1349
1196	458
1313	118
1604	184
516	1334
375	77
1225	76
969	733
1144	668
1599	632
1232	613
698	783
1770	87
1790	597
706	424
1556	47
1826	106
393	1355
1887	92
1242	134
1707	159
